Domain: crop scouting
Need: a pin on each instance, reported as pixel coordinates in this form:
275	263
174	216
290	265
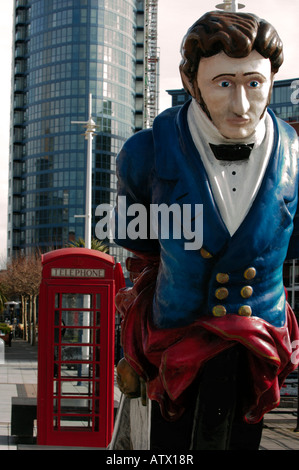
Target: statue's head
231	57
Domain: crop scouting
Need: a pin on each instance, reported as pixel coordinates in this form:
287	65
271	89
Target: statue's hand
128	380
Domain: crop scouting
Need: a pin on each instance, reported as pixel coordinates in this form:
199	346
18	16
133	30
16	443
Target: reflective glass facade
285	104
284	100
64	50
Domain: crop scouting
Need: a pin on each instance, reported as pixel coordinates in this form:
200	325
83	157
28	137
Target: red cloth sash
169	360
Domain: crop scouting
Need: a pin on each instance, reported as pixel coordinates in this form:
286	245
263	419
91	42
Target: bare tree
34	270
22	279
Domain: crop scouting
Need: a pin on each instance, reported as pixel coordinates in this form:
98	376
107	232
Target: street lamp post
89	133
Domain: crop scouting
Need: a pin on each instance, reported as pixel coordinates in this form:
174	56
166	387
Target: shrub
4	328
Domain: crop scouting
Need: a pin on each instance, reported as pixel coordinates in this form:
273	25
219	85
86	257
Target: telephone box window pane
98	318
56	336
56	403
55	422
75	422
98	301
76	406
77	335
56	388
76	301
76	353
71	370
96	390
77	384
57	297
76	388
74	370
56	318
97	366
97	337
75	318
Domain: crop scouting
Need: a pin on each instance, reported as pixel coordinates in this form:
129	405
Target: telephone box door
78	384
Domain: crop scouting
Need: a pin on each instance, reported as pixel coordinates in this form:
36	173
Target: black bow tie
232	153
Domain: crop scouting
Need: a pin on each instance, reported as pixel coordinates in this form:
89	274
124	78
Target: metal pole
89	133
88	136
234	5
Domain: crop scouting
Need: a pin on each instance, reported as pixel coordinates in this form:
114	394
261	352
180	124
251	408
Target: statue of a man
209	330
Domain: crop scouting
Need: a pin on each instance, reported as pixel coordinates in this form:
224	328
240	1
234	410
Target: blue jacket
230	275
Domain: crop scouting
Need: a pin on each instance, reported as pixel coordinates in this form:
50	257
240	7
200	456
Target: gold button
246	292
221	293
245	311
222	278
205	254
250	273
219	311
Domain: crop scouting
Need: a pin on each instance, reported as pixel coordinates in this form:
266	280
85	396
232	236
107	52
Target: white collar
202	124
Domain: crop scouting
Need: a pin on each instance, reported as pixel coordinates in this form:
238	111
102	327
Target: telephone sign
67	272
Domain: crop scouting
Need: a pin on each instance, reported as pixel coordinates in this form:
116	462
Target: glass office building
285	104
63	51
284	100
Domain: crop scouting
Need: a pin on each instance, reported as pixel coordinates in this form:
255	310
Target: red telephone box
75	402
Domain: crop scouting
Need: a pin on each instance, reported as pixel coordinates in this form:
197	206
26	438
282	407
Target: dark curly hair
236	34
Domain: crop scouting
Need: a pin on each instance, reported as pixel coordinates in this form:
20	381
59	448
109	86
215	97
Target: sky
173	22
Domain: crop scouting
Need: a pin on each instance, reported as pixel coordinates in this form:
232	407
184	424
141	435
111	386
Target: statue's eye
225	84
254	84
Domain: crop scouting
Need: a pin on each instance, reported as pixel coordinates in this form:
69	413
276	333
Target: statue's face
235	91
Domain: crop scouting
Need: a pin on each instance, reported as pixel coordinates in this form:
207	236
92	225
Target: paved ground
18	377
